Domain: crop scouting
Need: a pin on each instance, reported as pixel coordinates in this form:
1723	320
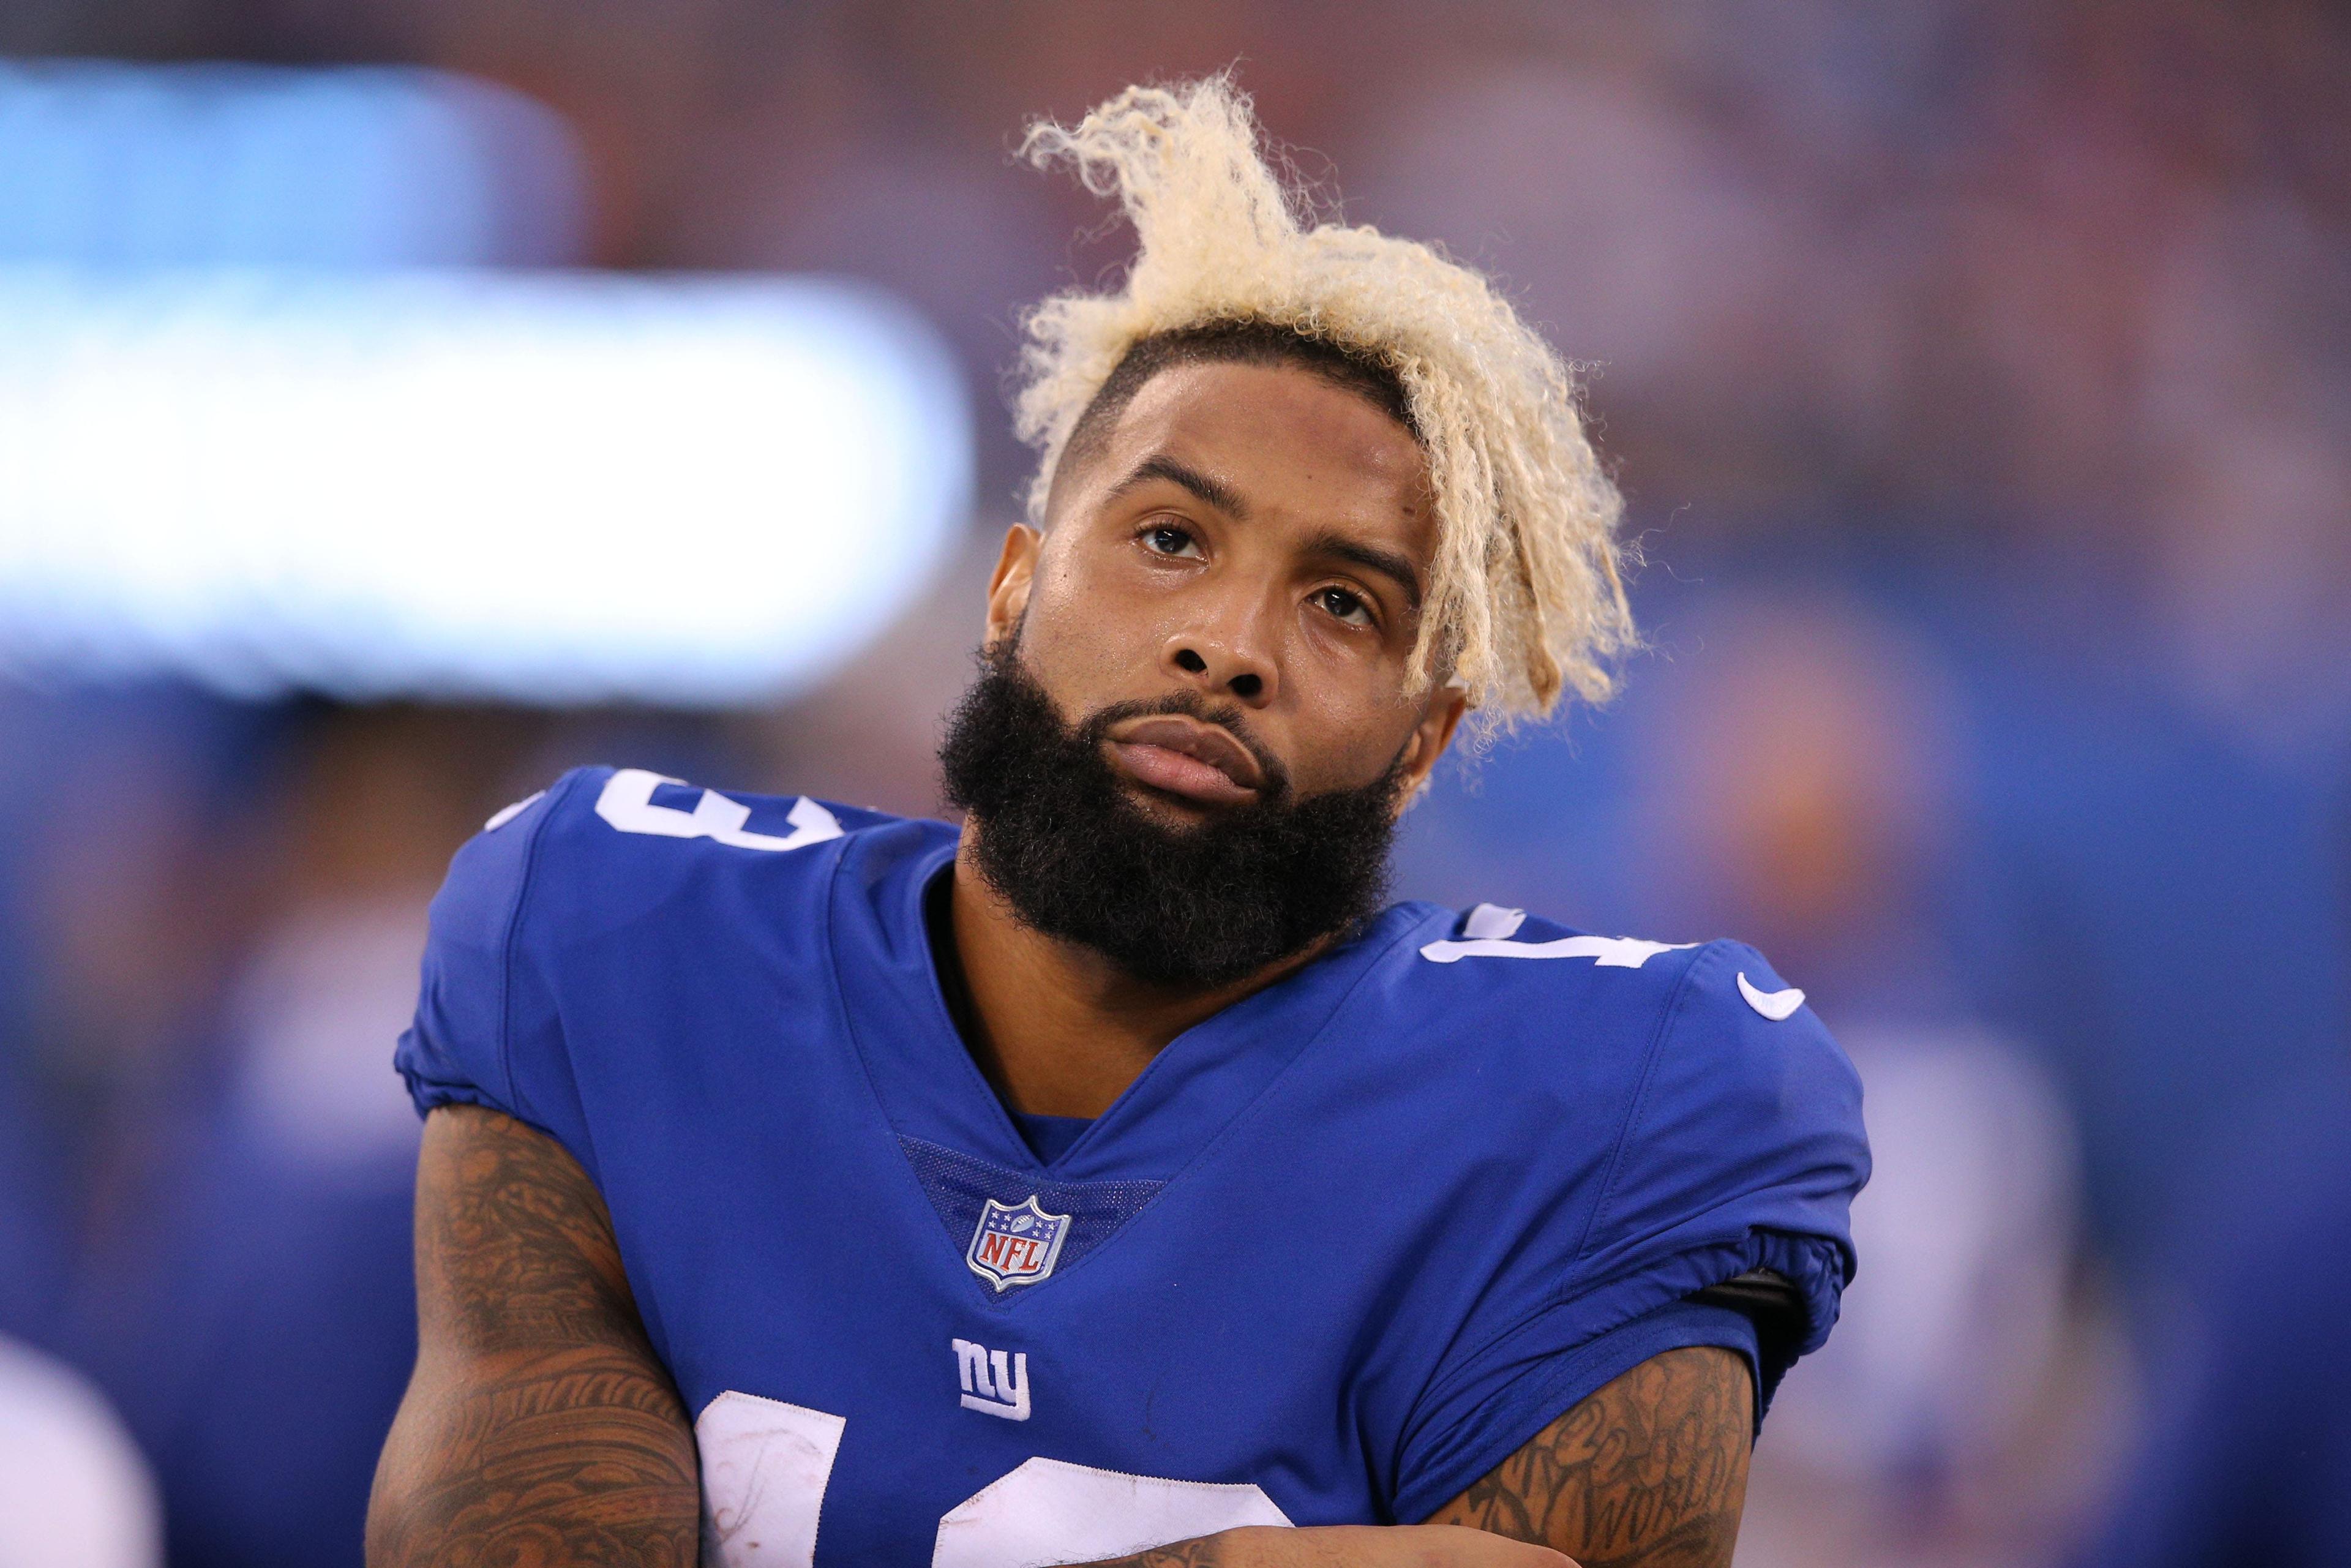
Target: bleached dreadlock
1526	597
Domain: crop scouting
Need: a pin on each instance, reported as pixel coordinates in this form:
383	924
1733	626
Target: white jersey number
627	803
1489	930
766	1465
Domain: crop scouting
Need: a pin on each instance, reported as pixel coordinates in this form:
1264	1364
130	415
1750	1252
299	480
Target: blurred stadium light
270	418
539	486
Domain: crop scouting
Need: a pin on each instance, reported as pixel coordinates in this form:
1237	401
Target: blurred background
403	400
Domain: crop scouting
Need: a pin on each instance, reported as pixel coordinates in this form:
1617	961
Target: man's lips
1184	756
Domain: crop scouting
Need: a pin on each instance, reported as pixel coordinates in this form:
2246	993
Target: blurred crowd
1979	376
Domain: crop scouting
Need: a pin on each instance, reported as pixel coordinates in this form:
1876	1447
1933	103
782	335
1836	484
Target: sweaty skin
1253	534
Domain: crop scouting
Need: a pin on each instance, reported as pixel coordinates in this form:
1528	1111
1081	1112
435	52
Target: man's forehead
1280	435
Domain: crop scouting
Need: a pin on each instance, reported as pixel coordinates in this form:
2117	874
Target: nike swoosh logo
1772	1004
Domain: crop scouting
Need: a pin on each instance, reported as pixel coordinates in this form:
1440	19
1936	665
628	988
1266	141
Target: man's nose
1237	663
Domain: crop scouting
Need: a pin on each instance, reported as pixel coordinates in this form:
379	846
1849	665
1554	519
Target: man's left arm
1649	1472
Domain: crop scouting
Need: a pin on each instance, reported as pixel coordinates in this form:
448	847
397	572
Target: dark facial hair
1195	907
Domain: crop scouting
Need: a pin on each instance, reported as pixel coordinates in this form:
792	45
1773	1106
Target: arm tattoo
1649	1472
539	1428
1207	1552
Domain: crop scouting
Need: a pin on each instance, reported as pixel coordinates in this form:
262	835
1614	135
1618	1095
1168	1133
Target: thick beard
1194	907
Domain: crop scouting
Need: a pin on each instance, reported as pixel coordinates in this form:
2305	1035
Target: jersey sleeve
1741	1152
486	1031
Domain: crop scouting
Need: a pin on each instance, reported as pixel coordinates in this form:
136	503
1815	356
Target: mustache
1094	729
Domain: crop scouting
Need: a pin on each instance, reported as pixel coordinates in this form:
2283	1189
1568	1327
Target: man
1114	1180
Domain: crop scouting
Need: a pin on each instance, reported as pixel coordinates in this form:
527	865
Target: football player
1115	1179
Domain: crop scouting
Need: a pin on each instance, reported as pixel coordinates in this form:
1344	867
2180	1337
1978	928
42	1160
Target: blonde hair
1526	595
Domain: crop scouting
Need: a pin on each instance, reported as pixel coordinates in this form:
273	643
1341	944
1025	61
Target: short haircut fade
1526	598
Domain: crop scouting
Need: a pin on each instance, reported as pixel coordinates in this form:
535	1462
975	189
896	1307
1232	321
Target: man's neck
1059	1030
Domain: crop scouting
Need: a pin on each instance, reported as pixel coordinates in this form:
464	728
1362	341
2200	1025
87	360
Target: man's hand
1348	1546
540	1426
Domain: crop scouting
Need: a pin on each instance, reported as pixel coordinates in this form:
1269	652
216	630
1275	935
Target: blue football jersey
1336	1253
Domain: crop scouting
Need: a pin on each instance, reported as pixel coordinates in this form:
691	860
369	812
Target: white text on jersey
993	1381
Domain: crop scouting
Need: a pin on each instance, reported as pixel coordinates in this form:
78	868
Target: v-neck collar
930	1087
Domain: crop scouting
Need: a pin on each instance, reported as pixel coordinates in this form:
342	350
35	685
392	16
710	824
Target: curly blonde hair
1526	596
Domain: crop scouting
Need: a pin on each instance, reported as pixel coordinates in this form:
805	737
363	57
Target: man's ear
1428	740
1007	587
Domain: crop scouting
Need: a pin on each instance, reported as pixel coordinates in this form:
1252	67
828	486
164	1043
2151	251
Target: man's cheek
1104	653
1069	672
1348	756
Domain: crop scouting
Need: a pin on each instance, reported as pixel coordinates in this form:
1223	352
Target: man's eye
1346	606
1166	539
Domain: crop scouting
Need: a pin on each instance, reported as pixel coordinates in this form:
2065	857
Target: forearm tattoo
541	1428
1649	1472
1206	1552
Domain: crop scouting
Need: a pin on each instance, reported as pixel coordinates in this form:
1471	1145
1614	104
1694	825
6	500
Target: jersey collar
930	1088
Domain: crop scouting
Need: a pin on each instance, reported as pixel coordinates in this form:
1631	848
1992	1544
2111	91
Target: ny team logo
1016	1244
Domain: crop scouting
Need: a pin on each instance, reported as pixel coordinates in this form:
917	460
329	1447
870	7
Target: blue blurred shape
104	163
545	486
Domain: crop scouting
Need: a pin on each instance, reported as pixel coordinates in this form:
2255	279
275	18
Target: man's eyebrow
1214	492
1391	564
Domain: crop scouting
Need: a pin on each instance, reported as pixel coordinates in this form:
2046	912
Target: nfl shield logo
1016	1244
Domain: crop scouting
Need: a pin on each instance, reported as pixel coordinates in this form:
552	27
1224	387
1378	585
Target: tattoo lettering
1649	1472
541	1428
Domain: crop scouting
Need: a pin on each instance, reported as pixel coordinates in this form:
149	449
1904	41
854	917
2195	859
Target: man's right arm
539	1425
